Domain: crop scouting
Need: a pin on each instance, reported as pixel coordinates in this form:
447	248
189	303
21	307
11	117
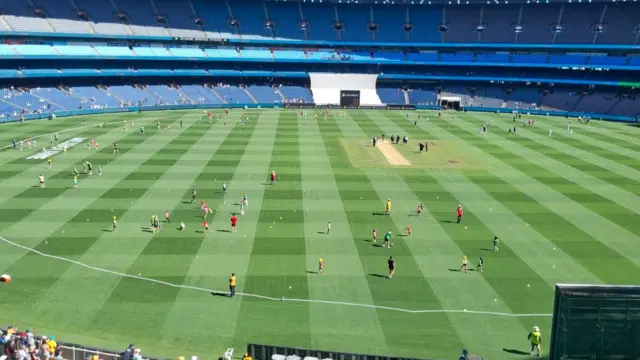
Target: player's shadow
402	235
487	249
107	230
515	352
146	229
449	221
378	213
187	202
311	272
218	293
224	230
322	232
377	245
378	275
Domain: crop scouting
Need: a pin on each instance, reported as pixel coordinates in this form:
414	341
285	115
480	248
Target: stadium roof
453	2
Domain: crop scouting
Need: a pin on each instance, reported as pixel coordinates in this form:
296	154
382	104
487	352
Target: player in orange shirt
205	226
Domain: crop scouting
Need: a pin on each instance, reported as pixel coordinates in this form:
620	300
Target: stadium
427	179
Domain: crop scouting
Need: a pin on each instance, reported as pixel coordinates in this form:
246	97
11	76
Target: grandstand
143	60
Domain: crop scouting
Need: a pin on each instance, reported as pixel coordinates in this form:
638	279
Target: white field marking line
88	126
195	288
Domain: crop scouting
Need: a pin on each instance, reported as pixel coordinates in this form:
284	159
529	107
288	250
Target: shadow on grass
448	221
146	229
322	232
515	352
311	272
218	293
486	249
107	230
377	245
378	214
454	270
224	230
378	275
187	202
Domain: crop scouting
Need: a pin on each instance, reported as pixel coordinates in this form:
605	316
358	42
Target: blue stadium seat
113	50
287	19
425	20
252	19
607	60
391	95
536	22
498	22
390	20
35	49
462	22
355	19
296	93
321	18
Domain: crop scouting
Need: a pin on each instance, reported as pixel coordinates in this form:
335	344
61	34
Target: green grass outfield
566	209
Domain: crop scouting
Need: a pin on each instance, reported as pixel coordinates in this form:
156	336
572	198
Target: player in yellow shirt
464	266
387	207
535	338
232	285
320	266
113	228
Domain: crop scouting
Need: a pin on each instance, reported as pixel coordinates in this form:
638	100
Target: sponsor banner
400	107
56	149
300	106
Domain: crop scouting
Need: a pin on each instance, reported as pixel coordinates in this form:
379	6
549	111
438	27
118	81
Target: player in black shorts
392	267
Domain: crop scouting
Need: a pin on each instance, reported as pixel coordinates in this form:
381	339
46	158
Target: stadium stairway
47	100
246	90
213	90
277	90
406	96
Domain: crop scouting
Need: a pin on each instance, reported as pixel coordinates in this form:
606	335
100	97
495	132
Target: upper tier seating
569	23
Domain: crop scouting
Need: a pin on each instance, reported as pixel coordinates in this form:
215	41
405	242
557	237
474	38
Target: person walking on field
535	338
273	177
459	213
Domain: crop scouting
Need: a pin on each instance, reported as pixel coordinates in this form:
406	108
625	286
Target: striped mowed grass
565	208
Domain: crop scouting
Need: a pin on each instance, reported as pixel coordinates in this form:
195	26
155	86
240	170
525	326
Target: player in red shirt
408	230
206	226
459	213
234	222
273	177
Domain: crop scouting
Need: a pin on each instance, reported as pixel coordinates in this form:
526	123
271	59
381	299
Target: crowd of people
26	345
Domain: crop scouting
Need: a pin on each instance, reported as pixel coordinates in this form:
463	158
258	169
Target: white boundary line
329	302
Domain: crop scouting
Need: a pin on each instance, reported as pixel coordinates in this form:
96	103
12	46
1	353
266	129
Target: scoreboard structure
350	98
595	322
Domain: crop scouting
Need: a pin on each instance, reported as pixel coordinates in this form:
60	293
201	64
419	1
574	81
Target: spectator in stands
137	354
247	357
128	352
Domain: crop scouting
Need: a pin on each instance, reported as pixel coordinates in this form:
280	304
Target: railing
311	106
